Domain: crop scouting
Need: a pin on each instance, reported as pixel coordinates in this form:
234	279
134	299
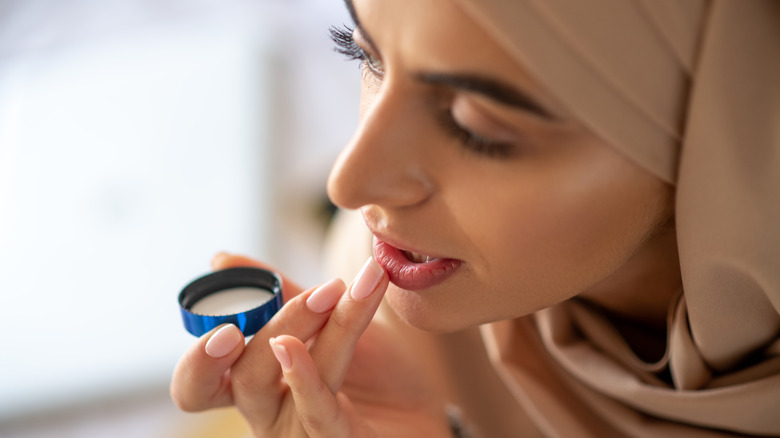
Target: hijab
690	91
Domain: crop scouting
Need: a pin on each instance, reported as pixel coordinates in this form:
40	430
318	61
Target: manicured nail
281	353
223	341
326	296
216	261
367	280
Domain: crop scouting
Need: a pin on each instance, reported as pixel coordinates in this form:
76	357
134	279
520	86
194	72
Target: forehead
436	35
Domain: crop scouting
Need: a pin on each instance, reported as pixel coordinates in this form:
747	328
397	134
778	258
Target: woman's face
461	158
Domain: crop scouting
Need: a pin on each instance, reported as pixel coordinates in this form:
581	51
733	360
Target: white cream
230	301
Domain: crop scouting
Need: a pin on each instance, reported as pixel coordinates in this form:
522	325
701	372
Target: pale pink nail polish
326	296
367	280
281	353
223	341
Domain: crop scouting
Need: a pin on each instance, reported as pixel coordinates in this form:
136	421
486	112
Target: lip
409	275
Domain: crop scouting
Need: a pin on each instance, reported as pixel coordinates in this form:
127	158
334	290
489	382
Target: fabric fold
689	91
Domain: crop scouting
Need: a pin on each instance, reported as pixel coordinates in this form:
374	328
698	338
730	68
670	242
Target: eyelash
472	141
345	44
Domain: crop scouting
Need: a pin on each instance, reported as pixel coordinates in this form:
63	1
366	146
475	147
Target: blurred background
137	139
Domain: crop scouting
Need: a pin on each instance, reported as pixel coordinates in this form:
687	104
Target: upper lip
380	227
404	247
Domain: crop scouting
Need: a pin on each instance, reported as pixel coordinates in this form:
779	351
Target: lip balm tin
246	297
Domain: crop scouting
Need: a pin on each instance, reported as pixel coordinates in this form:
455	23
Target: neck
643	288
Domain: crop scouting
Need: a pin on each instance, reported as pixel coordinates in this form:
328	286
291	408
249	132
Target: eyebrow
488	87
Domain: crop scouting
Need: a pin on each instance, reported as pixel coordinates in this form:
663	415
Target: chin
426	310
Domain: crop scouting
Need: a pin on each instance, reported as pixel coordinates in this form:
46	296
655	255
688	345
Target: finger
201	379
318	409
335	344
256	376
224	260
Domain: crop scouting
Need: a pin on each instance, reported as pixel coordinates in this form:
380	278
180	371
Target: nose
384	163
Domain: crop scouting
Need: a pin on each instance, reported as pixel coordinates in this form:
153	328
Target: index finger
224	260
335	344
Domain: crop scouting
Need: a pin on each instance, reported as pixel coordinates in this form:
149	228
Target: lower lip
409	275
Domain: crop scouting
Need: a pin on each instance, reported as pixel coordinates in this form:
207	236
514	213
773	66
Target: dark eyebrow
491	88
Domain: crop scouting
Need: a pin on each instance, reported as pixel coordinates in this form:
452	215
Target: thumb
201	379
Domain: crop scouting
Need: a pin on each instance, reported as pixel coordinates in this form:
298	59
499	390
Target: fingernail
326	296
367	280
281	353
216	261
223	341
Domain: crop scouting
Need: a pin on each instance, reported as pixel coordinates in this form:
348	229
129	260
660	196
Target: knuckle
285	320
316	425
243	379
341	322
251	378
313	425
320	418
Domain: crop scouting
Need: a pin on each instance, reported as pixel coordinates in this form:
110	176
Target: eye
343	38
472	141
374	64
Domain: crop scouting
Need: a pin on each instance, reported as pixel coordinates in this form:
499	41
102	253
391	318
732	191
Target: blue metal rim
250	321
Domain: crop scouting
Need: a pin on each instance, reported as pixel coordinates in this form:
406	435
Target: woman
597	180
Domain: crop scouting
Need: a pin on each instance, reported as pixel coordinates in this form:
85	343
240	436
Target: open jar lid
246	297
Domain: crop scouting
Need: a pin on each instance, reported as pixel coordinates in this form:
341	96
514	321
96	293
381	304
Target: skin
563	214
329	373
557	214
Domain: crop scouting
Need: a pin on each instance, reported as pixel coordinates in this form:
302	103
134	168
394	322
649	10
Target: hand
319	368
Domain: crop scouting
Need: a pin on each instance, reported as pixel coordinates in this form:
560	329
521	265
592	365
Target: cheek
544	240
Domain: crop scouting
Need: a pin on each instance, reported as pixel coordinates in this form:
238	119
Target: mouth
411	270
416	257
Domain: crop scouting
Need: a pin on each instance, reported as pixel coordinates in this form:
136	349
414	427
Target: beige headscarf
690	90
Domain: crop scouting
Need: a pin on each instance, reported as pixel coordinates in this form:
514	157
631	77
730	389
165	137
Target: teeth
417	257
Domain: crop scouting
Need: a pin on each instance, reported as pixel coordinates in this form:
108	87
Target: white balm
231	301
